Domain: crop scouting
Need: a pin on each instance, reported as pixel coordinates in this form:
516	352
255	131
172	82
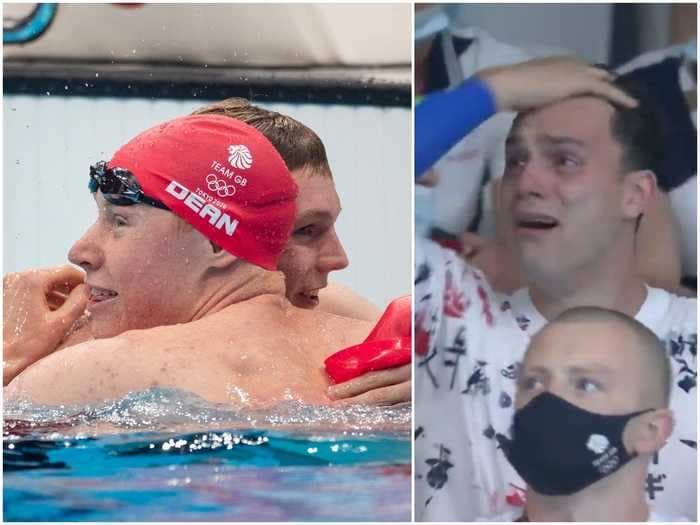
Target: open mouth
100	295
308	298
535	223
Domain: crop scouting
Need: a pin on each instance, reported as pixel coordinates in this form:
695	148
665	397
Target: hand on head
544	81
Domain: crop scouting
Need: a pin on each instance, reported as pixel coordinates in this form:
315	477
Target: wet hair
658	366
298	145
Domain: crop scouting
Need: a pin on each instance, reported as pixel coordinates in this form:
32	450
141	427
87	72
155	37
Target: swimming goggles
119	186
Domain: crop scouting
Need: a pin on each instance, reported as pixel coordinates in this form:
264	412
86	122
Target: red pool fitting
388	345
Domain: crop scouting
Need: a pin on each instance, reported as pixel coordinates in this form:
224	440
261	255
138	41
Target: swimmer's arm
341	300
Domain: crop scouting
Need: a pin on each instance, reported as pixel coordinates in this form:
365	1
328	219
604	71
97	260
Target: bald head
627	355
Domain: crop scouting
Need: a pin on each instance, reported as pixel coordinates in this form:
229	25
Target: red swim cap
220	175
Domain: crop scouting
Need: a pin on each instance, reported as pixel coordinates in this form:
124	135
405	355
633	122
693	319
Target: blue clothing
443	119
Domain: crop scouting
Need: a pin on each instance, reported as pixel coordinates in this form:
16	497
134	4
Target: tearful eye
567	161
514	162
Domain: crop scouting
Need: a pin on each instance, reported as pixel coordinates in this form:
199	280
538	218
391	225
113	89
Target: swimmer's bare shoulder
342	301
253	350
275	324
104	369
79	374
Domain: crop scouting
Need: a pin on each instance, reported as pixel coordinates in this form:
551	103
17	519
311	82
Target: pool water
164	455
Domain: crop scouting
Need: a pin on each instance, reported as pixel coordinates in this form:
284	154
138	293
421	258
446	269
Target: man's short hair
298	145
638	130
658	364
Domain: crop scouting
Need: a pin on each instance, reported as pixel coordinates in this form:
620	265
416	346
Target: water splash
174	410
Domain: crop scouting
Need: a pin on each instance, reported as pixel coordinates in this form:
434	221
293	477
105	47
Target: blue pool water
164	455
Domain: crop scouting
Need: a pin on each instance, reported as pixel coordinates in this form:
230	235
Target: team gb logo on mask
597	443
239	156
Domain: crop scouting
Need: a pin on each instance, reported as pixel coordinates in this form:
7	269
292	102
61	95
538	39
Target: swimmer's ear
639	188
649	432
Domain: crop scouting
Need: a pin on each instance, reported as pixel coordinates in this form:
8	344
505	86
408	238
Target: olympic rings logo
219	186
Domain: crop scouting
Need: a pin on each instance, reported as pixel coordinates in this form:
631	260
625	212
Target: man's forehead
317	194
572	364
588	118
591	345
573	368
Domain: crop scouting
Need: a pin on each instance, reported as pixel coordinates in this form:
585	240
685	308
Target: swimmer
223	320
314	249
591	411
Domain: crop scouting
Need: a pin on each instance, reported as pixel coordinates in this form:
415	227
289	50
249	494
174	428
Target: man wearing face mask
579	176
591	414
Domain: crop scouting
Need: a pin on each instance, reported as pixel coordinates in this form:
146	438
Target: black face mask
560	449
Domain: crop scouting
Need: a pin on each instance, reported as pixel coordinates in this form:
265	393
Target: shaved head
628	339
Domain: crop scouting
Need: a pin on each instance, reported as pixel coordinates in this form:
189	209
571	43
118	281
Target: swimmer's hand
543	81
391	386
40	307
